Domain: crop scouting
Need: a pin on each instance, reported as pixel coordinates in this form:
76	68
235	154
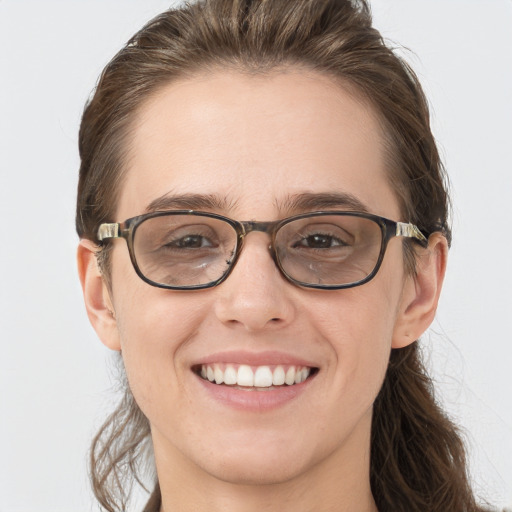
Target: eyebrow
189	202
309	201
296	203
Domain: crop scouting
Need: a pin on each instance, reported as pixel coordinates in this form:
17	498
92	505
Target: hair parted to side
417	457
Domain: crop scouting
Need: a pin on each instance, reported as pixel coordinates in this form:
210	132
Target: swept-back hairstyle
417	457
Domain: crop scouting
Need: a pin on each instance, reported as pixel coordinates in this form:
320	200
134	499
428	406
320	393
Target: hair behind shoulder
417	457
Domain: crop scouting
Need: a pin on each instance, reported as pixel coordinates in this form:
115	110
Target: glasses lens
329	250
184	250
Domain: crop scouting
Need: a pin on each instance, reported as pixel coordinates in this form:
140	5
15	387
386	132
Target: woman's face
250	147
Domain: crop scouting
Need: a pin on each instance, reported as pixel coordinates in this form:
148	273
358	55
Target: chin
255	472
258	461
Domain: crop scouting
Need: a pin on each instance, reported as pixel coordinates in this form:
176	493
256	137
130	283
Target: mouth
254	378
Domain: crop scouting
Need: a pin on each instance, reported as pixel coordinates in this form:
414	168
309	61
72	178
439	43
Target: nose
255	296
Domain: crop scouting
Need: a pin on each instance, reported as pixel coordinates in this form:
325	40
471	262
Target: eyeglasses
188	250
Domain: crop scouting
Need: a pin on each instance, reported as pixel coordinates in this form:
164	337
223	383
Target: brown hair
417	456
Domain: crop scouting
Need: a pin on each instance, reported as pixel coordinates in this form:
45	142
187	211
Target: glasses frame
389	229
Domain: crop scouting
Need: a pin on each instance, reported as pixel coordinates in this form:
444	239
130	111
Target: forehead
255	141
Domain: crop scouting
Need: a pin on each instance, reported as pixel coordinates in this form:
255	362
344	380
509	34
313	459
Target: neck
338	483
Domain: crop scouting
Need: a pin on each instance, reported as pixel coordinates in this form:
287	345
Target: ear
98	302
421	292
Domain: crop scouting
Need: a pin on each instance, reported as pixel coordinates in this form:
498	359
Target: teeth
290	376
260	377
230	375
219	375
245	376
263	377
278	376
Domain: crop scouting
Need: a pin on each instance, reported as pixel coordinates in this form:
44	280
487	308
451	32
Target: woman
271	167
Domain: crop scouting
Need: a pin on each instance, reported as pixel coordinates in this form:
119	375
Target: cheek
154	325
358	326
153	337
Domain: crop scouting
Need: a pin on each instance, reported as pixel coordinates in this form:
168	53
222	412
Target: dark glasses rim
389	229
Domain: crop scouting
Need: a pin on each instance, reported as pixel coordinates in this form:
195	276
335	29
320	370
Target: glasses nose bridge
269	227
262	227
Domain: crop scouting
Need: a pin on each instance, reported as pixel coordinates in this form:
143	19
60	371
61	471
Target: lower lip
253	399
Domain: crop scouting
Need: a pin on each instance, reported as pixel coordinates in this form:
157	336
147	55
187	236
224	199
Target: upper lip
255	358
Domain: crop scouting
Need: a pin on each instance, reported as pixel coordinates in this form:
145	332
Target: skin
254	141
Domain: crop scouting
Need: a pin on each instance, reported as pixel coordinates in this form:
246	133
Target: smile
263	377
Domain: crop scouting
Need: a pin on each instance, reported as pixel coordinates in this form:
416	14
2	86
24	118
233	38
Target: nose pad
255	295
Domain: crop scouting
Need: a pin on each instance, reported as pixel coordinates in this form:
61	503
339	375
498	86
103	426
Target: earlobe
421	292
97	298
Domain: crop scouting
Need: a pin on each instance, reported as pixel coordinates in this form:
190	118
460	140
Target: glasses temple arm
106	231
410	231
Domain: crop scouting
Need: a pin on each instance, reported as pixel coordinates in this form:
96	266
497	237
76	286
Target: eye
190	242
187	237
320	241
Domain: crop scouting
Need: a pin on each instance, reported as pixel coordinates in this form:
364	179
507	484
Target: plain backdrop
55	376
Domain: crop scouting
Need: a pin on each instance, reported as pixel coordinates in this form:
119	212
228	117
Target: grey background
55	379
